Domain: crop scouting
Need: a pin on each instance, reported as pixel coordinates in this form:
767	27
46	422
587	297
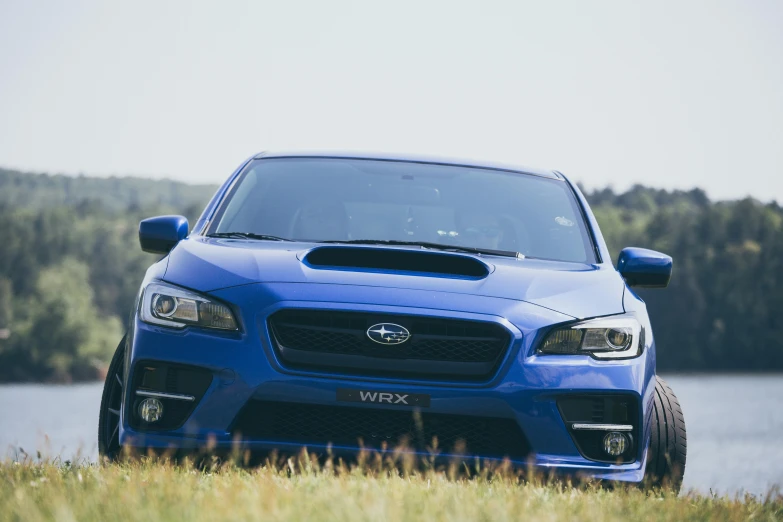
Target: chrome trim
161	395
601	427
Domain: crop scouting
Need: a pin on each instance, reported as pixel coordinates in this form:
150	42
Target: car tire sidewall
116	365
668	447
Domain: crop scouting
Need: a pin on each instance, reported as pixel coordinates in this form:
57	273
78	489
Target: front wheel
668	442
111	404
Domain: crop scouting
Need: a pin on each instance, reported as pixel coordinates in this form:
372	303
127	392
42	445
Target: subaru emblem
388	333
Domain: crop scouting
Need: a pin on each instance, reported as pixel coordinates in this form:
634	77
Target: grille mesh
311	339
314	424
432	339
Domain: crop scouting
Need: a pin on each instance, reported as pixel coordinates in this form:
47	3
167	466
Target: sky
671	94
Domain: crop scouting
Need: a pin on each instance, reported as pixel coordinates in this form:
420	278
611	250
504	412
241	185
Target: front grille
437	347
304	424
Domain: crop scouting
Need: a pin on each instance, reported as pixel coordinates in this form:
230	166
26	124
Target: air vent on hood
397	260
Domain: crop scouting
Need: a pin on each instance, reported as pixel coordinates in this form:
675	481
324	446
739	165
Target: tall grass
301	489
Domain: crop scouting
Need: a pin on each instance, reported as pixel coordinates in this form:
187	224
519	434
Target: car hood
575	289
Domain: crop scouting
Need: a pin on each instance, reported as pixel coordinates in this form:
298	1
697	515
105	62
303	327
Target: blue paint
644	268
526	297
160	234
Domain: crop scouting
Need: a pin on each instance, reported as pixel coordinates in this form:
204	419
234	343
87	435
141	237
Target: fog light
151	410
615	443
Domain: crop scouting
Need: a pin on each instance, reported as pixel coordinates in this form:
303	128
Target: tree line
70	267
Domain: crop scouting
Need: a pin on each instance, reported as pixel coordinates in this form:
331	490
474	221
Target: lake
735	427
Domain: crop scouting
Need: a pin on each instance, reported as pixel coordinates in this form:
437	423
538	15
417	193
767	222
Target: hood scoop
396	260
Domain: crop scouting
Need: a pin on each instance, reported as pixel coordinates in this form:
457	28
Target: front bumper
525	388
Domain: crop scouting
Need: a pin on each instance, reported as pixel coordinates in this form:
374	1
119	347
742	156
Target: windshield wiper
246	235
434	246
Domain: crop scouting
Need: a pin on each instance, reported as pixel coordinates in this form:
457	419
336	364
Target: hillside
41	191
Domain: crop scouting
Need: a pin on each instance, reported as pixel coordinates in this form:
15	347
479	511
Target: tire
111	404
668	442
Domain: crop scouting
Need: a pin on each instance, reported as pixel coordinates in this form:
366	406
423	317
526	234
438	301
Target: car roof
415	158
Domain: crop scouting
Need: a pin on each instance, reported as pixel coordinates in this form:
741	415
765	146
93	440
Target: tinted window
318	199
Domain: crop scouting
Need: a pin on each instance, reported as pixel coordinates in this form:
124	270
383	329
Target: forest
70	267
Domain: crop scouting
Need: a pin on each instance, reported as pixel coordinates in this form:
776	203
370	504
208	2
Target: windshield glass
336	199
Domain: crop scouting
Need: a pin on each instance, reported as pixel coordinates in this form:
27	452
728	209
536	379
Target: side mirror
645	268
158	235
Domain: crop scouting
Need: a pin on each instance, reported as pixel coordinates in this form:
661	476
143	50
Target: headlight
614	337
169	305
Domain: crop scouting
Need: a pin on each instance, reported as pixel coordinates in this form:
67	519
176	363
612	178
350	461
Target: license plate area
392	398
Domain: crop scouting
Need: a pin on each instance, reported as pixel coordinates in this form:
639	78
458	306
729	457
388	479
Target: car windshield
338	199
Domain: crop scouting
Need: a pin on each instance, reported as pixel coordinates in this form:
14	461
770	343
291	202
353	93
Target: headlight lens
169	305
614	337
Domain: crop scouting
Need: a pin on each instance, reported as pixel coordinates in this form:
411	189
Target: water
735	427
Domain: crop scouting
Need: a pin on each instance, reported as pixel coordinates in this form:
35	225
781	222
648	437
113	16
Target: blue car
346	301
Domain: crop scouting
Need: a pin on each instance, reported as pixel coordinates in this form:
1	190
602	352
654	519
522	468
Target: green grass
149	491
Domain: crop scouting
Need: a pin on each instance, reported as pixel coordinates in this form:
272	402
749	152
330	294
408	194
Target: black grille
345	426
316	340
602	409
163	377
328	339
599	410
